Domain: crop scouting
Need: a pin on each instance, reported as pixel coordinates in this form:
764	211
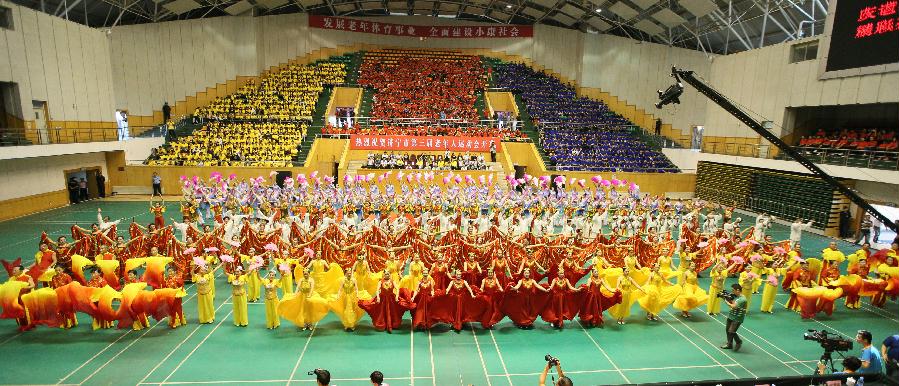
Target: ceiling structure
711	26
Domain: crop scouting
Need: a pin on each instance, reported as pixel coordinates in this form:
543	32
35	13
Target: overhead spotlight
672	93
508	6
599	10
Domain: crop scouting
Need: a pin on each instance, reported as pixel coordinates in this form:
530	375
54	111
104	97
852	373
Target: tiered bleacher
782	194
422	84
578	133
260	125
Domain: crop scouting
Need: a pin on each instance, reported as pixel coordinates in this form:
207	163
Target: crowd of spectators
286	95
446	161
437	87
853	139
271	144
424	130
602	149
578	133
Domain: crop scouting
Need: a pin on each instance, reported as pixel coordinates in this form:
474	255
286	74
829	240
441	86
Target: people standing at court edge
121	120
157	184
493	152
101	184
166	112
864	230
82	190
73	190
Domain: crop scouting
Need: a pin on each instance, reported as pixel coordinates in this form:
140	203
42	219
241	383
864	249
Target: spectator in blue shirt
889	351
871	361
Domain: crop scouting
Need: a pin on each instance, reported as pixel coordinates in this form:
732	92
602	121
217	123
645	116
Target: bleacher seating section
782	194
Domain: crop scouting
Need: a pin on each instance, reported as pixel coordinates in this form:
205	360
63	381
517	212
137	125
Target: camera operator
889	351
851	365
735	318
563	380
871	360
322	377
377	378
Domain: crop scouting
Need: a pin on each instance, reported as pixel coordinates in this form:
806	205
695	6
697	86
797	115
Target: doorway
74	178
40	121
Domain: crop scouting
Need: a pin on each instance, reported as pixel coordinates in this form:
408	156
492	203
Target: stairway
318	121
529	129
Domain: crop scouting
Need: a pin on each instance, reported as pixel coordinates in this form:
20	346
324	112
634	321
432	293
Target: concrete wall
633	71
63	63
766	83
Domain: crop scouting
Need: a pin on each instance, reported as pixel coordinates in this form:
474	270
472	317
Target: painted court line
498	353
274	381
825	325
196	347
616	370
763	349
197	328
138	338
412	356
595	343
709	342
302	354
699	348
93	357
481	355
431	352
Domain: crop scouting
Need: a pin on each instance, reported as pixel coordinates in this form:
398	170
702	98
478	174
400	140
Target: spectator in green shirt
735	318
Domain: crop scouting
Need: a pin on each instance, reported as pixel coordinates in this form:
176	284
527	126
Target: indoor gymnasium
472	192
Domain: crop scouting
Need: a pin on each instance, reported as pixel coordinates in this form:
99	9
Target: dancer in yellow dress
771	285
346	303
718	274
284	266
270	286
658	293
326	276
410	281
205	281
747	280
239	297
627	286
254	282
691	295
304	307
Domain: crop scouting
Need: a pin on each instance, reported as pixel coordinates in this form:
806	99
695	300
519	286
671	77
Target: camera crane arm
687	76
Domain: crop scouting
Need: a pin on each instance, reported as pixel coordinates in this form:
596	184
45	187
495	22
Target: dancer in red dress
595	301
564	301
492	293
422	317
388	306
524	301
458	305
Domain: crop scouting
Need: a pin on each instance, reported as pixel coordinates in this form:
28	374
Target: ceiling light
508	6
599	10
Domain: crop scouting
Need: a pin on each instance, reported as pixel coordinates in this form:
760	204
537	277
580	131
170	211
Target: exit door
40	121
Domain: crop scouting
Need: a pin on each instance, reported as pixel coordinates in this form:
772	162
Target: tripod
827	360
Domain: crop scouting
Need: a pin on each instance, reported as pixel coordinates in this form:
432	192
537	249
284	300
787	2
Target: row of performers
429	290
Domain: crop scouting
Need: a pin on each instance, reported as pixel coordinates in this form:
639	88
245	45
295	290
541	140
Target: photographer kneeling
737	303
550	362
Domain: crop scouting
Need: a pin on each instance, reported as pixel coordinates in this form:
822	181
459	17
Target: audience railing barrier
873	159
448	122
58	135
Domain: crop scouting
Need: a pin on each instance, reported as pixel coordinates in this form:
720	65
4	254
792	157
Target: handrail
347	136
59	135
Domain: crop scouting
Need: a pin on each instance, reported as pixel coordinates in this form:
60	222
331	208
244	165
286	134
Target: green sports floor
641	351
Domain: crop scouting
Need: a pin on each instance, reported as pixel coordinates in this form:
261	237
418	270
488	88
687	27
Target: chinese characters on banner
432	143
424	31
877	19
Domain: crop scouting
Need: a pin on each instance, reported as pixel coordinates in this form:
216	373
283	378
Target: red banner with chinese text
423	31
432	143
